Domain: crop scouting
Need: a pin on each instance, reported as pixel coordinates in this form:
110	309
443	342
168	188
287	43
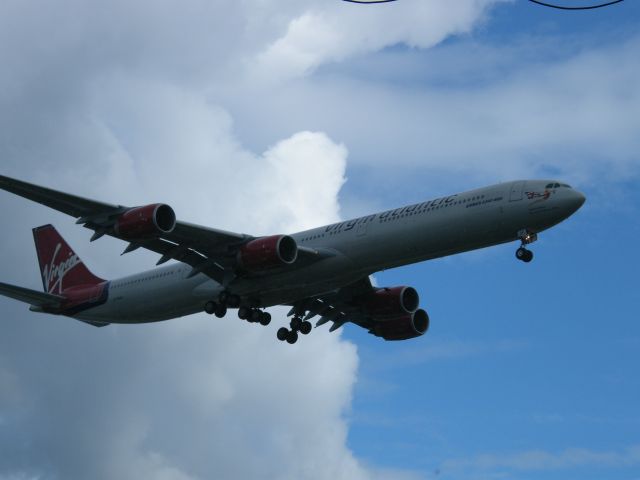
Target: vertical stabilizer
60	267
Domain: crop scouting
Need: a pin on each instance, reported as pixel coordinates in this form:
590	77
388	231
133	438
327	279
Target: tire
255	316
244	313
295	323
305	327
210	307
265	319
292	337
283	333
528	256
521	253
221	311
233	301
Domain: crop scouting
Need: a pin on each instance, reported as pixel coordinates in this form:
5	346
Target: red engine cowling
392	302
144	222
404	327
268	252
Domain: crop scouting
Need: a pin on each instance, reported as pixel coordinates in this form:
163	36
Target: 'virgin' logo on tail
53	274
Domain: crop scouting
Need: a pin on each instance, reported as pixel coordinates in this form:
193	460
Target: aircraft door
516	191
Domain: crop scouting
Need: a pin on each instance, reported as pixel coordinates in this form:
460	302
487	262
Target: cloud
188	399
489	112
544	460
337	31
192	398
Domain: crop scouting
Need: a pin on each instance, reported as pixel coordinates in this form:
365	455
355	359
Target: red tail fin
59	265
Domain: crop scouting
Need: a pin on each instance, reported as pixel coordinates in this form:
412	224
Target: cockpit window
557	185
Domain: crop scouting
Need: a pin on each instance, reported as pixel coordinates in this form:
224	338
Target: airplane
323	272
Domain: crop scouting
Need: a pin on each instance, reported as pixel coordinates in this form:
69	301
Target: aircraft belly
154	301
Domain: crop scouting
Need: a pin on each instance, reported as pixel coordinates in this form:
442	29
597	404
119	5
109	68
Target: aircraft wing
339	307
32	297
207	250
353	303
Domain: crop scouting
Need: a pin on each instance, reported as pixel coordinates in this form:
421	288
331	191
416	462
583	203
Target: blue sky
279	116
520	358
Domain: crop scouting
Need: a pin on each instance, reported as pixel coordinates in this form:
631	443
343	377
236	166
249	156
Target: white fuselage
351	250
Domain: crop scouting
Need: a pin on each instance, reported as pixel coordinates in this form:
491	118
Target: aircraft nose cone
575	201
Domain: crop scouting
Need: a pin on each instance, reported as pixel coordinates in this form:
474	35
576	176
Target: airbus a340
321	273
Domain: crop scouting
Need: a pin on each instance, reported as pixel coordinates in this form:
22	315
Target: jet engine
392	302
268	252
404	327
144	222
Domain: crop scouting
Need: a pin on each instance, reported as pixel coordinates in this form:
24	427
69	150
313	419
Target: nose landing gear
524	255
526	237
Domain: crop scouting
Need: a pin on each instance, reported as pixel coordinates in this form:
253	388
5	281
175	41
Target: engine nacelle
144	222
404	327
268	252
392	302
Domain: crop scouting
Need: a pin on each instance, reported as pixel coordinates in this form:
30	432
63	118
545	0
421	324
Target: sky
275	116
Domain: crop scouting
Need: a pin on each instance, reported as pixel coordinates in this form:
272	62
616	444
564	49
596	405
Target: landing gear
265	319
283	333
254	315
286	335
210	307
524	255
244	313
305	328
297	325
229	299
526	237
292	337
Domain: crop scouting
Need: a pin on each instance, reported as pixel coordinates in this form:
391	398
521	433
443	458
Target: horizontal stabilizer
32	297
95	324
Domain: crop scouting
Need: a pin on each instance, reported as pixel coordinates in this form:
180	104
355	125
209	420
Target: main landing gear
254	315
522	253
297	325
228	300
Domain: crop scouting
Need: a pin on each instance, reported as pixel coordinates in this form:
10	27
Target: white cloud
544	460
338	30
488	112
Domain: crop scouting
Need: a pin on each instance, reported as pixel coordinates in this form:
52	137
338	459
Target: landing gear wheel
210	307
305	327
296	322
221	311
292	337
233	301
265	318
524	255
244	313
255	316
282	334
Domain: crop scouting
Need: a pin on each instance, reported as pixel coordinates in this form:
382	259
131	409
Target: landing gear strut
526	237
297	325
